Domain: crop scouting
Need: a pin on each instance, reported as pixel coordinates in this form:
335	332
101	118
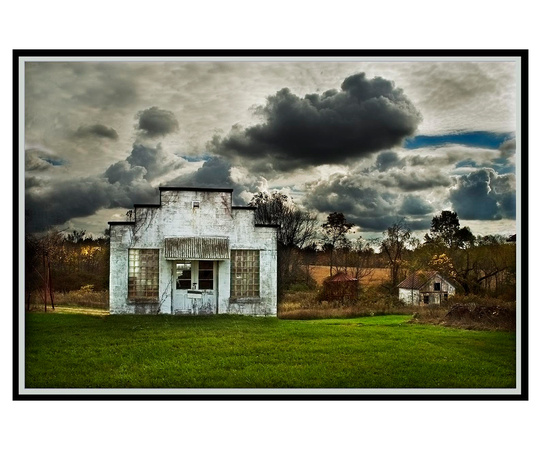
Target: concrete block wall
176	216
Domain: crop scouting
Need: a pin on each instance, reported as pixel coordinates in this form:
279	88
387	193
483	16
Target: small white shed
425	288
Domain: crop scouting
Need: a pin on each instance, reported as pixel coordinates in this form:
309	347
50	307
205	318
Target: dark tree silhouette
446	229
335	230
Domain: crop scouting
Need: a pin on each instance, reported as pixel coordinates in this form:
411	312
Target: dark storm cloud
156	161
121	185
485	195
376	200
97	130
124	173
366	207
415	206
388	160
416	180
65	200
215	172
365	116
356	198
155	122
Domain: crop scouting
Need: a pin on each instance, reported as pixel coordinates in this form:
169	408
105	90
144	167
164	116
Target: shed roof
340	277
417	280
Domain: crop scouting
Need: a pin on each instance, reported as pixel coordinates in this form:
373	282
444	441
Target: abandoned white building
193	253
425	288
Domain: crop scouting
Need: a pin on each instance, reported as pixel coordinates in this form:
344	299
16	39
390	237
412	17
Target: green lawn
74	350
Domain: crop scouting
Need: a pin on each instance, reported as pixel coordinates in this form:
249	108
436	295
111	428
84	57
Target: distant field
75	350
378	276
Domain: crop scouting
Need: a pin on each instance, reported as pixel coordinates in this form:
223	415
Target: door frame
207	304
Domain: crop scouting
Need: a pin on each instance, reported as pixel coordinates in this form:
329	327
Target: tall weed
85	296
484	313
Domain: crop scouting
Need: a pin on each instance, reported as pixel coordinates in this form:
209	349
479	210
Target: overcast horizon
375	140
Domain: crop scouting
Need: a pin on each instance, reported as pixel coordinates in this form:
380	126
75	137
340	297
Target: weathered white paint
417	296
175	217
408	296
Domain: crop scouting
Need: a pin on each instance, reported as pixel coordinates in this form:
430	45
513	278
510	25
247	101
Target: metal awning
193	248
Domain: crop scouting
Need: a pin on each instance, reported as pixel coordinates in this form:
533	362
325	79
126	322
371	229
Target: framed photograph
271	225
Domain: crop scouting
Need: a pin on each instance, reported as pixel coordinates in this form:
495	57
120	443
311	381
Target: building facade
193	253
425	288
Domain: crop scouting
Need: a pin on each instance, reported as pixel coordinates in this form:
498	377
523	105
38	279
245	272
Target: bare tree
39	254
360	259
296	227
296	230
76	236
395	241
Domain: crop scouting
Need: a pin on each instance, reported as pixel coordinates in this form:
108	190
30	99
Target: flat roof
122	223
252	208
201	189
146	205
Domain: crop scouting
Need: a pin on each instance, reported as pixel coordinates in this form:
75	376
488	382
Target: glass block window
143	269
244	274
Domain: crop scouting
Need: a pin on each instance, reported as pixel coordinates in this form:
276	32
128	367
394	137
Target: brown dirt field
378	276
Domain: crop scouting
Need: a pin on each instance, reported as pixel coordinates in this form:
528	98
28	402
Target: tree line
482	265
63	262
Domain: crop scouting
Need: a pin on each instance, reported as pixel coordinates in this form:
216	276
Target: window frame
206	279
143	275
179	281
245	274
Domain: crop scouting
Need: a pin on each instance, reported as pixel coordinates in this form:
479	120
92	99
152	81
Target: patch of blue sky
502	166
502	170
482	139
54	162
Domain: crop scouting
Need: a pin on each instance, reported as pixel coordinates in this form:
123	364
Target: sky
376	139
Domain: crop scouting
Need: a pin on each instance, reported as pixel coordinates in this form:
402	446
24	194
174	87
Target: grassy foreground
74	350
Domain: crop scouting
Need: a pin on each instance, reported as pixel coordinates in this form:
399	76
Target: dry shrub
297	300
85	296
314	305
482	313
475	316
471	312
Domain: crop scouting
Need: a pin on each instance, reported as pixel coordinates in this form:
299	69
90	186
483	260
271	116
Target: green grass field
76	350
